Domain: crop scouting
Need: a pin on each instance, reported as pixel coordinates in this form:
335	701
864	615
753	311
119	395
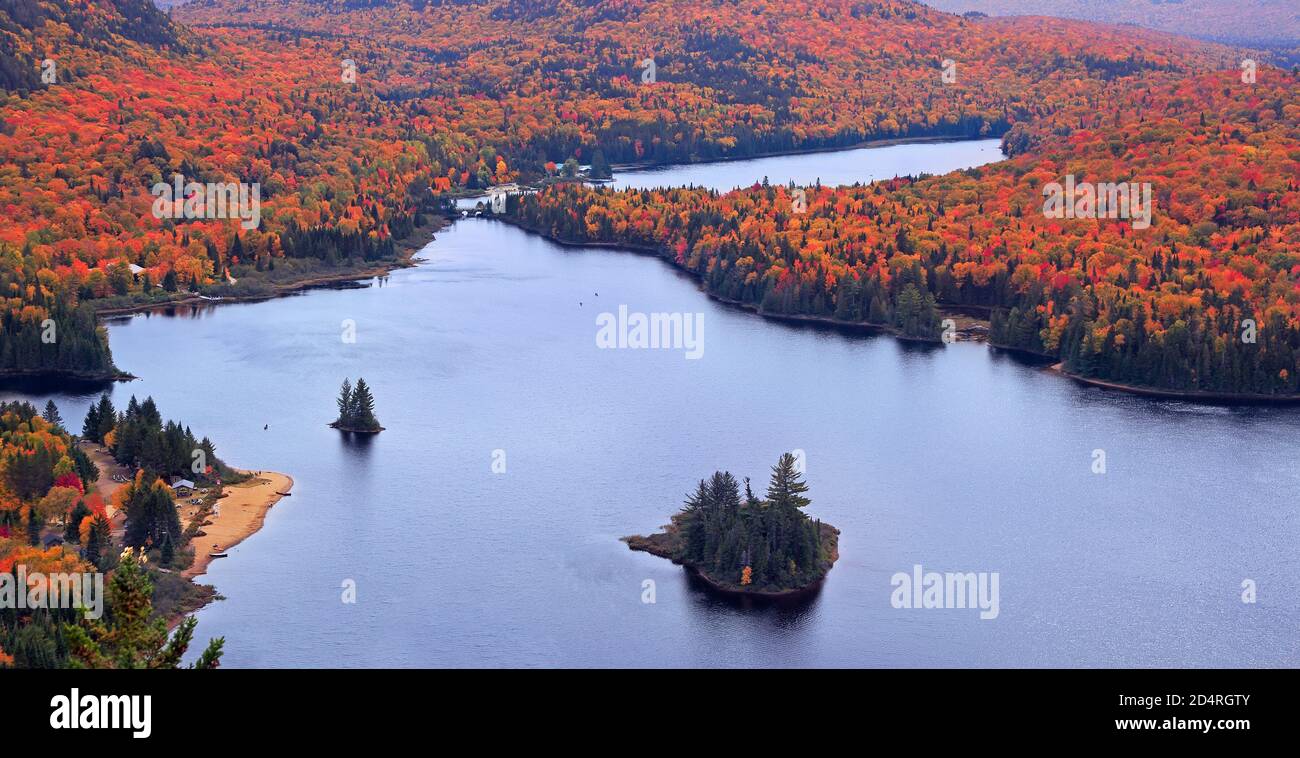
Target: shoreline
1194	396
239	514
409	247
653	165
1208	398
887	142
69	375
791	318
406	252
662	544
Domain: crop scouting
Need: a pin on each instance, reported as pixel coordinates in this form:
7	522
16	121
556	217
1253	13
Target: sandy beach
238	515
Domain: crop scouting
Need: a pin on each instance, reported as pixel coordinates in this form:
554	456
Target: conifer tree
363	407
345	403
131	638
51	414
90	429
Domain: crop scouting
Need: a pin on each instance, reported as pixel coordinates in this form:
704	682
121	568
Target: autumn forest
1139	230
359	131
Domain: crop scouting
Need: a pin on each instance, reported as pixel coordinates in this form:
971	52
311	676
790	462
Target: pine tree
107	416
363	407
132	638
345	404
599	165
168	552
34	525
72	533
96	540
787	486
51	414
90	429
722	534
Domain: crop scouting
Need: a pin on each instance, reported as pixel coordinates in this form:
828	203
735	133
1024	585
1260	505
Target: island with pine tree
356	409
749	546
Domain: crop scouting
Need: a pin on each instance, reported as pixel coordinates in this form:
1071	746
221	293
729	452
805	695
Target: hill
354	119
1249	22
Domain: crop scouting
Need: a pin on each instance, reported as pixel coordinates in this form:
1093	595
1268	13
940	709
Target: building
183	486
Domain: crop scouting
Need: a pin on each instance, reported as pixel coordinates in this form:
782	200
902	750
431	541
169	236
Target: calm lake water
956	458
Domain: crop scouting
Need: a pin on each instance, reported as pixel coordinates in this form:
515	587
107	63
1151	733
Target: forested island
745	545
356	409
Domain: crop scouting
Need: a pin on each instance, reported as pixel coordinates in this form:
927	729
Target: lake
956	458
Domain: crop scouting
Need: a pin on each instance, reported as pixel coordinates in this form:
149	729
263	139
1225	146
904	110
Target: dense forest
53	520
358	120
1206	299
748	544
138	438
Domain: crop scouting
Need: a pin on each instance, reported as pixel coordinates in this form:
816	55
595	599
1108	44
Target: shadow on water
46	385
784	610
359	446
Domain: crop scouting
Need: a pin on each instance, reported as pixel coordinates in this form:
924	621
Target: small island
356	409
749	547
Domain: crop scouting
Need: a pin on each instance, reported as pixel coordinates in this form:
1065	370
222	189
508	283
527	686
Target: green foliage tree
151	516
356	408
130	637
723	533
51	414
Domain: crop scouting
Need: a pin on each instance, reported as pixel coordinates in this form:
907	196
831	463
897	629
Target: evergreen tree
600	166
363	407
107	417
356	408
90	429
345	403
168	552
34	525
786	487
724	535
151	515
72	534
131	637
96	541
51	414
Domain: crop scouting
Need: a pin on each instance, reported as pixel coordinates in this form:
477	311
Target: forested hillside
355	118
1206	299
